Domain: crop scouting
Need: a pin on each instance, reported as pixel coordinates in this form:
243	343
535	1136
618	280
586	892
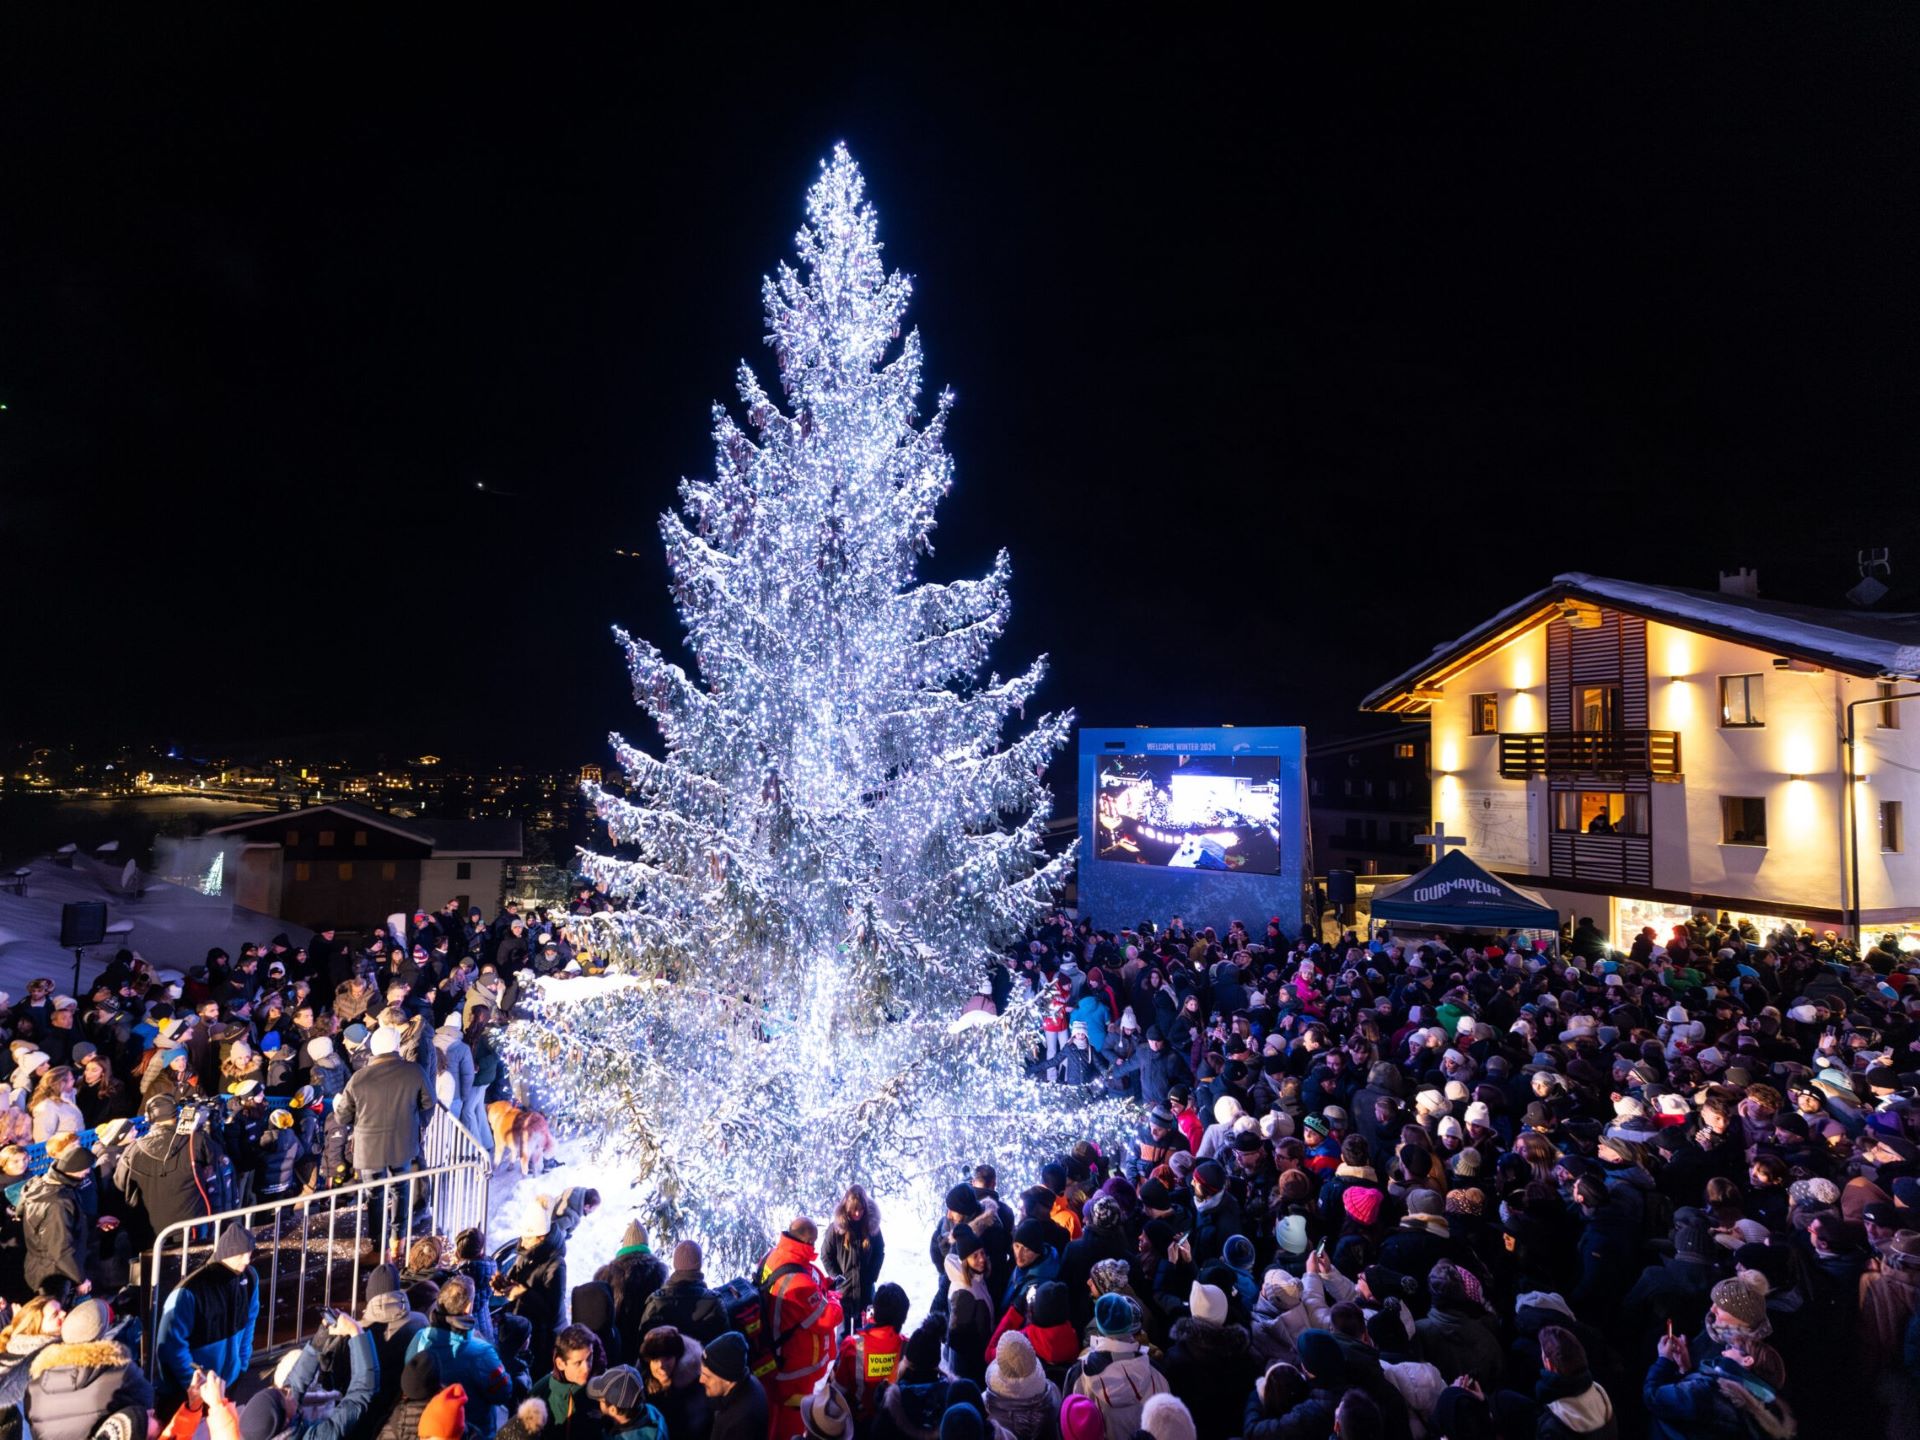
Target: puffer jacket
1036	1417
1122	1386
1210	1368
71	1388
208	1322
56	1230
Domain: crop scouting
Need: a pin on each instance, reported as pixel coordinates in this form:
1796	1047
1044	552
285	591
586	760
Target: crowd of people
1390	1186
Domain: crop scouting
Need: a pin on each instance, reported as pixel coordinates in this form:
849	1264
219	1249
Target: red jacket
868	1363
805	1311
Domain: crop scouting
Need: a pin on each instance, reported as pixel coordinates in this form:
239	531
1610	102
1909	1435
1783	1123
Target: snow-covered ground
172	927
907	1219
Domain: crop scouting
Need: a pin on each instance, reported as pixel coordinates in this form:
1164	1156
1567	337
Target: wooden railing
1590	752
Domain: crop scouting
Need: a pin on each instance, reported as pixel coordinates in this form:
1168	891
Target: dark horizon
341	363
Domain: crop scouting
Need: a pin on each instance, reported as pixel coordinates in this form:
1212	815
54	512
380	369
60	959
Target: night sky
1281	355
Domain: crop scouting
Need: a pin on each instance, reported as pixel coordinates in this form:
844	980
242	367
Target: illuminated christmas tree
835	838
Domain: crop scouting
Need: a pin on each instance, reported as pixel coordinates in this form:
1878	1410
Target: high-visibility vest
876	1364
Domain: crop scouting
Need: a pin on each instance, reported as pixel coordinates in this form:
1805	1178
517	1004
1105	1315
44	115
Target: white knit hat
385	1041
1166	1418
320	1047
1208	1303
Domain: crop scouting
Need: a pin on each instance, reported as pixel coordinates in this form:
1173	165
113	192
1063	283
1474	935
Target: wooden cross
1438	842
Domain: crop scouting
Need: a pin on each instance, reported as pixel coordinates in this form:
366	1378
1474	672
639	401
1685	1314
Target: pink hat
1362	1202
1080	1419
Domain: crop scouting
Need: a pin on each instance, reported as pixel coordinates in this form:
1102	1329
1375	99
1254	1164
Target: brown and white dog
523	1134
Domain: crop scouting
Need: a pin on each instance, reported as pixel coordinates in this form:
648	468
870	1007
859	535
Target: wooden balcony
1591	752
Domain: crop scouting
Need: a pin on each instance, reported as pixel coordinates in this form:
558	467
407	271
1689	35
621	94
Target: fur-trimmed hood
85	1355
686	1370
1211	1344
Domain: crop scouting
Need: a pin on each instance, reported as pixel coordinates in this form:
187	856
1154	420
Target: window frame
1726	817
463	869
1483	710
1895	811
1631	803
1609	706
343	872
1749	691
1888	711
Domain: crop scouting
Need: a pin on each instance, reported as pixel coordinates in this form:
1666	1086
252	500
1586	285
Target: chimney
1740	582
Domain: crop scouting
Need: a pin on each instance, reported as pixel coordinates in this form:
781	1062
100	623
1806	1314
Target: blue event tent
1454	892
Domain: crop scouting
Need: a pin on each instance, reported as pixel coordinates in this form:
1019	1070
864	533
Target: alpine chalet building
1637	753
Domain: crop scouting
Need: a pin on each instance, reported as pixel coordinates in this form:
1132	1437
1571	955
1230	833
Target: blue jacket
208	1321
1046	1268
468	1360
363	1383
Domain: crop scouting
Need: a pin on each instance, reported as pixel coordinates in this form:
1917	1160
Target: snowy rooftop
172	926
1856	642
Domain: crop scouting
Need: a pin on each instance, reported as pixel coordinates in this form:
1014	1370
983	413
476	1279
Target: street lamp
1853	806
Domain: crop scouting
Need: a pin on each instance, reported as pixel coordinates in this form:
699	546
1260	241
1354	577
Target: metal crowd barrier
312	1250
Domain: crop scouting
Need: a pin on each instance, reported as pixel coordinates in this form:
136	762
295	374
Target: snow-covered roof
172	926
443	837
1855	642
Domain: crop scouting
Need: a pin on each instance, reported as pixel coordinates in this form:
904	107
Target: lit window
1599	812
326	837
1486	714
359	837
302	871
1743	820
1742	701
388	869
1893	830
1403	751
1889	715
293	839
345	869
1597	709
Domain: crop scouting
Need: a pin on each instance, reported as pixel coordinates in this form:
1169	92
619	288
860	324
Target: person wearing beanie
738	1400
1164	1417
633	1275
684	1301
1049	1328
419	1383
1457	1334
1019	1395
625	1413
535	1280
389	1317
1424	1237
464	1356
805	1314
1363	1204
445	1416
1115	1371
295	1405
329	1072
870	1359
1209	1362
56	1226
208	1319
1035	1262
1081	1419
963	1422
86	1383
